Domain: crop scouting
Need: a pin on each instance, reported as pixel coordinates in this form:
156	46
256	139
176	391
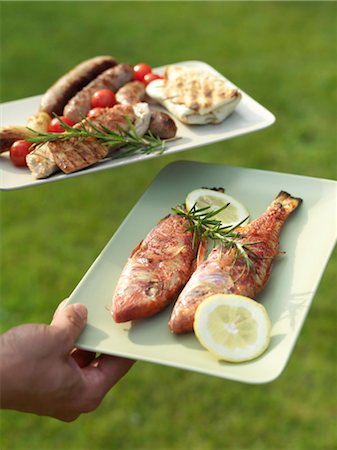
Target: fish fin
136	248
201	251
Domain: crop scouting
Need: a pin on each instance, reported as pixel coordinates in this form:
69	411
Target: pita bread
194	96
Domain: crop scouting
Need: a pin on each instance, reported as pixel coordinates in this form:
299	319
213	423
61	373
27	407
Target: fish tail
287	201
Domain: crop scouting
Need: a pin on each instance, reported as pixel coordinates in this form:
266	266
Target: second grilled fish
225	272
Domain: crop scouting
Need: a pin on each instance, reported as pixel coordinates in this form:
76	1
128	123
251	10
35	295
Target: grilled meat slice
41	162
76	154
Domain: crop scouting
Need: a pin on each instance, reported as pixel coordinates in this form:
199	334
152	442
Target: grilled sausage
112	79
131	93
57	96
10	134
162	125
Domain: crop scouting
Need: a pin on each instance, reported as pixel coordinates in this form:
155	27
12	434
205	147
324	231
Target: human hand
42	373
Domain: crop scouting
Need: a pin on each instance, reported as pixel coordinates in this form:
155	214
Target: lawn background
284	55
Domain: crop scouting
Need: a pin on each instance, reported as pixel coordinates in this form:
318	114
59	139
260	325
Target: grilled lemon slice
232	327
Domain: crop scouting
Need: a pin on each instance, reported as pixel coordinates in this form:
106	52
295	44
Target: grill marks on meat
114	118
57	96
112	79
77	154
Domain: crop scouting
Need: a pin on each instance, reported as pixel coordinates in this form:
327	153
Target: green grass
282	54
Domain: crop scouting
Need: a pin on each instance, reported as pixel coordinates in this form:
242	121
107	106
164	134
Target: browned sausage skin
162	125
57	96
131	93
113	79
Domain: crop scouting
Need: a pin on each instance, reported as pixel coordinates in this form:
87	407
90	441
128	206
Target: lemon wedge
233	214
232	327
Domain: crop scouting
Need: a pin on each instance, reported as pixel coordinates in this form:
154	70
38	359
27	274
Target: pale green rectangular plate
248	116
287	297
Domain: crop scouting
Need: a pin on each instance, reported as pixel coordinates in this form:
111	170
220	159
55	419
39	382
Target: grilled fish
156	271
226	272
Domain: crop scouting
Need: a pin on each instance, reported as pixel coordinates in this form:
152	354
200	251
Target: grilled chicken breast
75	154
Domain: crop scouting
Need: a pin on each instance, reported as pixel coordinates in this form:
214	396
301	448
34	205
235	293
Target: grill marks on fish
227	273
156	271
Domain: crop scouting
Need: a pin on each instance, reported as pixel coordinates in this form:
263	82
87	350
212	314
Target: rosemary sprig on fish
203	224
224	270
166	263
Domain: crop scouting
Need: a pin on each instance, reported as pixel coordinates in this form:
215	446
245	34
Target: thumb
71	320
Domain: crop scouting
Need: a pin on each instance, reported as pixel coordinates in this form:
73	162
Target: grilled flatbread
193	95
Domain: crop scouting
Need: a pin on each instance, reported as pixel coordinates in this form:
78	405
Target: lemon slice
232	215
232	327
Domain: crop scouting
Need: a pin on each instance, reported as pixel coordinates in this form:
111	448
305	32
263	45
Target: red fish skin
155	272
226	273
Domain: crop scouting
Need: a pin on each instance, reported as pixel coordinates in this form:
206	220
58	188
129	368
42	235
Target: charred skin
58	95
156	271
223	273
131	93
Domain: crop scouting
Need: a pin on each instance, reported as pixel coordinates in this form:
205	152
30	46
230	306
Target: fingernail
81	310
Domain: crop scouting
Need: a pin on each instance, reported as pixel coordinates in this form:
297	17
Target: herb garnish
129	141
204	226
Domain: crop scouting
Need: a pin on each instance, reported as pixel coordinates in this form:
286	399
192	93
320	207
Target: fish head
139	297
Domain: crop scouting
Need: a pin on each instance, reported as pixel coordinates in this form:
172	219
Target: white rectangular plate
249	116
287	297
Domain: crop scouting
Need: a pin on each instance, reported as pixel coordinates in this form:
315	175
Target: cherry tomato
18	152
150	77
140	70
95	112
103	99
55	124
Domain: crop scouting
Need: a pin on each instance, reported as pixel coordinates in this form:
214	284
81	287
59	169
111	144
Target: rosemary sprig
128	141
203	225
